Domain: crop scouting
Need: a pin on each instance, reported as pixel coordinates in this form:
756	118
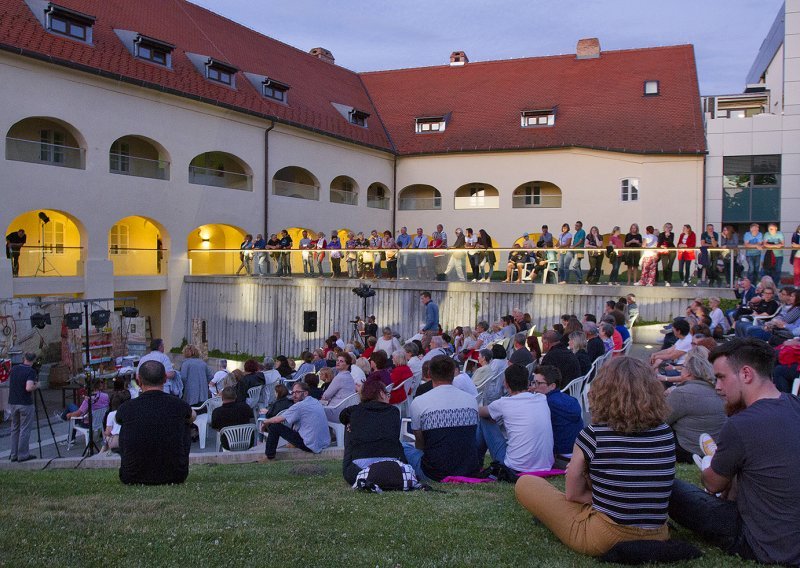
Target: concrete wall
266	316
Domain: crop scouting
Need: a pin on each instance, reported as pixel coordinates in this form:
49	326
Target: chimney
588	48
458	58
323	54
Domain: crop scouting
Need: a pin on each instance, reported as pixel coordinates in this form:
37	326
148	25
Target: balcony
478	202
378	202
127	165
50	261
137	261
219	178
35	152
529	201
296	190
419	203
344	197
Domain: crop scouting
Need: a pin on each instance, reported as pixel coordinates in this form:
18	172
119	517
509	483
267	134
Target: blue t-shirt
403	240
751	239
623	331
578	241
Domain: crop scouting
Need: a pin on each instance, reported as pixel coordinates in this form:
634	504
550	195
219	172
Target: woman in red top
687	241
400	373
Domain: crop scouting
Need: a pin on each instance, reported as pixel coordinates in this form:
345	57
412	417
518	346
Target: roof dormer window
428	124
358	117
69	23
220	72
153	50
651	88
273	89
542	117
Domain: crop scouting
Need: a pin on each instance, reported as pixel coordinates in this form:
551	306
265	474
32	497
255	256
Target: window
54	237
651	88
118	239
532	195
630	189
220	72
51	146
273	89
120	157
531	118
69	23
430	124
751	189
153	50
358	117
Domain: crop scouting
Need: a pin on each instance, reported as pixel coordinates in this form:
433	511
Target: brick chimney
322	53
588	48
458	58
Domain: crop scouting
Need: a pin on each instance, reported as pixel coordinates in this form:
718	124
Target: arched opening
378	196
137	246
537	194
213	248
45	140
138	156
52	244
344	190
293	181
477	196
419	197
220	169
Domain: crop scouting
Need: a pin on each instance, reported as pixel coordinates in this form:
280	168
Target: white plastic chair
253	395
403	407
240	438
796	387
482	387
76	425
626	347
203	421
551	268
575	387
338	427
532	330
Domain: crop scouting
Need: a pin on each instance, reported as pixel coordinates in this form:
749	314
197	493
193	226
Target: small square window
630	189
68	28
69	23
537	118
430	124
358	117
275	90
651	88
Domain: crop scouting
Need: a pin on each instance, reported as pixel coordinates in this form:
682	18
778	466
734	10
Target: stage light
100	318
73	320
40	320
130	312
43	217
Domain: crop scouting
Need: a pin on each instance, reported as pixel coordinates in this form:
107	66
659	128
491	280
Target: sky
375	35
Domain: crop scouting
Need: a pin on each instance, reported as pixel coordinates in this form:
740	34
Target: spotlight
43	217
100	318
130	312
40	320
73	320
364	291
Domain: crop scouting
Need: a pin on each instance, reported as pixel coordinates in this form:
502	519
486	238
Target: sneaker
667	284
637	283
685	284
698	461
708	445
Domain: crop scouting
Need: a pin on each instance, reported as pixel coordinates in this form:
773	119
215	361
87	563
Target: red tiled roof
600	103
315	83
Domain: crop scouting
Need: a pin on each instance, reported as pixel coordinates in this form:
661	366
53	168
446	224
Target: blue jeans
414	459
308	266
262	263
277	431
616	262
714	519
753	263
564	260
490	436
576	267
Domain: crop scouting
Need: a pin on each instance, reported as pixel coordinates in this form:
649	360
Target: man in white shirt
676	353
437	348
527	444
172	385
462	381
218	377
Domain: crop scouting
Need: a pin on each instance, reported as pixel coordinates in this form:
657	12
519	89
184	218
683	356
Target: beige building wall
670	189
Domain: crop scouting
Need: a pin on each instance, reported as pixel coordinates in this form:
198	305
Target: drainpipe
266	177
394	192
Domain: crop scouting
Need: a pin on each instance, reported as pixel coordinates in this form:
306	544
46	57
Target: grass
277	514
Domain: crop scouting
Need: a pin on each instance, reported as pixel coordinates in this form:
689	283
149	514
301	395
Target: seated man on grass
312	434
677	353
565	412
231	413
754	467
527	443
155	439
444	422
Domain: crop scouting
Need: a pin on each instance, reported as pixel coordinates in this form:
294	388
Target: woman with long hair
623	464
649	258
615	243
564	253
687	241
489	259
195	375
633	240
594	241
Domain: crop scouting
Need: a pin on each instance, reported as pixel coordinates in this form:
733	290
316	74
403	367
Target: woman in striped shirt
620	478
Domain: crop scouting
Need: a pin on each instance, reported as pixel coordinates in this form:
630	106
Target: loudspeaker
309	322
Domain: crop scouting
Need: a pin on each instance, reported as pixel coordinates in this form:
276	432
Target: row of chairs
579	388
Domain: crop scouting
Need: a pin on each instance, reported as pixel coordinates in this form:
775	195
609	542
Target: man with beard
754	468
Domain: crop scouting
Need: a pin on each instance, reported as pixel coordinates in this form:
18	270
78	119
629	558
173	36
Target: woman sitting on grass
372	431
620	478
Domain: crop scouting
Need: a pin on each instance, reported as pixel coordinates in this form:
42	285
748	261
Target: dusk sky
371	36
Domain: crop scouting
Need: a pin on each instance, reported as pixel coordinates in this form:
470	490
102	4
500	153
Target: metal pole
88	371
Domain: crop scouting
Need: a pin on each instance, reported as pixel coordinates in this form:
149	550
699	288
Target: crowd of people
435	404
648	257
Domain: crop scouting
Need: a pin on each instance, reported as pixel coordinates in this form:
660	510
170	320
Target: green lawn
276	514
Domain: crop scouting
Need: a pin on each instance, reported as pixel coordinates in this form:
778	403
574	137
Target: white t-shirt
218	377
415	364
433	353
162	358
684	345
110	421
529	432
358	375
388	346
463	382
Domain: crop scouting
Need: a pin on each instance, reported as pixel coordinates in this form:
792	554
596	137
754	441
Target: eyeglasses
540	383
298	391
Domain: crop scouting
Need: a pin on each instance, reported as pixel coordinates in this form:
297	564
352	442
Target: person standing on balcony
375	243
474	257
335	247
245	255
285	267
456	261
666	240
578	242
260	258
420	242
403	241
14	243
773	241
565	256
390	245
594	241
308	260
752	242
319	256
488	257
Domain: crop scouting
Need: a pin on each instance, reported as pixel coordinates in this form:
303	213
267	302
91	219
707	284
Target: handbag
387	475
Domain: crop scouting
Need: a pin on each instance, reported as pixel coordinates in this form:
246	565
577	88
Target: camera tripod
45	265
37	400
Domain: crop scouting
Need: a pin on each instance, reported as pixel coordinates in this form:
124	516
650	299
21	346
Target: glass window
67	27
651	88
54	237
751	189
274	92
219	75
119	239
538	118
433	124
630	189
